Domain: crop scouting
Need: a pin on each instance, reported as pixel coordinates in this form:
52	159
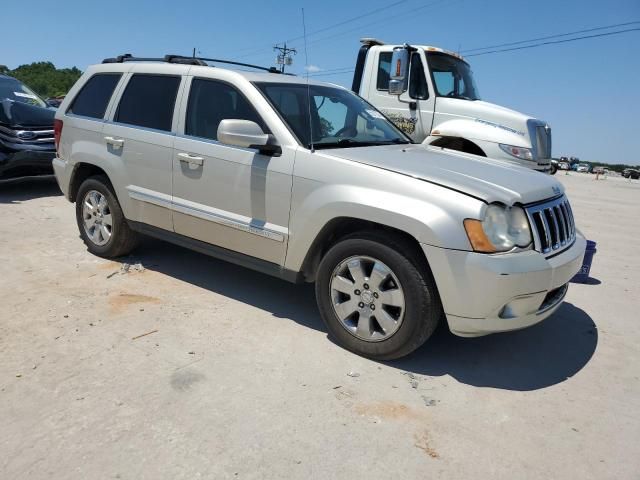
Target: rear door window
93	98
148	101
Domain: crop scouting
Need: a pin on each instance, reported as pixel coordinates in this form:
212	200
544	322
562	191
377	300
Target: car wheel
376	297
554	169
101	222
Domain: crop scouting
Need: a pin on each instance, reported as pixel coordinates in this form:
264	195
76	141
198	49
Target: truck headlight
518	152
501	229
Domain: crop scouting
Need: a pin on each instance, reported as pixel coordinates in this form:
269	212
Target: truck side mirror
399	70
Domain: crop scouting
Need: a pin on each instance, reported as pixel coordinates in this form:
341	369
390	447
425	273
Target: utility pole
284	57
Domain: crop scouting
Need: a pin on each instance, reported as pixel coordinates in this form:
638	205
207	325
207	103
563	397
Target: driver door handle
191	159
116	142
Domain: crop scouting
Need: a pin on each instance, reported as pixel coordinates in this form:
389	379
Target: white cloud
312	68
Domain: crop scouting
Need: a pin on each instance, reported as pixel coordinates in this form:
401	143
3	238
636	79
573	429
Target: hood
18	114
502	119
486	179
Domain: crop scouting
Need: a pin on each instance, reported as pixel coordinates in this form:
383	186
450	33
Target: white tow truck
431	95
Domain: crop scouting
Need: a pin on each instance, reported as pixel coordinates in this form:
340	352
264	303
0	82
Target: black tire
122	239
423	309
554	169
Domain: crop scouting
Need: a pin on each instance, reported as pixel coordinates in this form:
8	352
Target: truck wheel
101	222
553	170
376	298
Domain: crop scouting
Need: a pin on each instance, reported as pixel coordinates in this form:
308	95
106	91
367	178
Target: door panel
228	196
144	159
414	122
139	140
237	199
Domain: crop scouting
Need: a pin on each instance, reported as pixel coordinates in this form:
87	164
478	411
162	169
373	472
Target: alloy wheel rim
367	298
97	219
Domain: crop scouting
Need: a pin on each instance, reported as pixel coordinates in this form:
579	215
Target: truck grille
552	225
543	141
26	135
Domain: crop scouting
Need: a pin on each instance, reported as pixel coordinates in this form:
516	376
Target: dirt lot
239	380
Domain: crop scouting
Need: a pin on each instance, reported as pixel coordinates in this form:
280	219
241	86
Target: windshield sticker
374	114
497	125
406	124
25	95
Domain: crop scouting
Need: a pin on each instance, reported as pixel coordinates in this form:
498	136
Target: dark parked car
27	144
631	173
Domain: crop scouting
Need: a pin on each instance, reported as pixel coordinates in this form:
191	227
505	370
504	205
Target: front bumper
484	294
19	160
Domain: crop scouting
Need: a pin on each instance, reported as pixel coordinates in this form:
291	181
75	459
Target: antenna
306	61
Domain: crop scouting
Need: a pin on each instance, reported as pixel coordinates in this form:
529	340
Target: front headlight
518	152
501	229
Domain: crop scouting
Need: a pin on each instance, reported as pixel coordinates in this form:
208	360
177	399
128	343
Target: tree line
44	78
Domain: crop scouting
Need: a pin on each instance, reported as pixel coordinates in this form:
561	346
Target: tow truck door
413	111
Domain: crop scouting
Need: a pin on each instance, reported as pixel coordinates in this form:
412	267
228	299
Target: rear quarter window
94	96
148	101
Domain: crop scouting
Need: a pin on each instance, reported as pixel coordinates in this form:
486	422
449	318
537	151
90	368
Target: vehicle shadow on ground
281	298
29	188
537	357
529	359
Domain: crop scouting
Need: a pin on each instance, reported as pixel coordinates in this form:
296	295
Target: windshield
14	90
452	77
339	118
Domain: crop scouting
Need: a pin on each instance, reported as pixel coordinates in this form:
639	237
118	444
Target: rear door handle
192	159
116	142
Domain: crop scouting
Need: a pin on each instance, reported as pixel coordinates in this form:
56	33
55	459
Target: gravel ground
236	378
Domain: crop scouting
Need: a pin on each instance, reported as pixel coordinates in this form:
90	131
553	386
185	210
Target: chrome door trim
149	196
228	219
204	212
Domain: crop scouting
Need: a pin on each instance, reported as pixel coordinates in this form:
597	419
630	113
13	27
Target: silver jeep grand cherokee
310	183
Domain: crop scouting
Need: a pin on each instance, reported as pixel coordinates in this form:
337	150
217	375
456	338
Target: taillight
57	132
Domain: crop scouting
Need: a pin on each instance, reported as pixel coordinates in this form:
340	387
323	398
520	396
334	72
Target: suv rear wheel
101	222
374	300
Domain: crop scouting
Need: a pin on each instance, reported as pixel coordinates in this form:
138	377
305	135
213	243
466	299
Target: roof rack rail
184	60
180	58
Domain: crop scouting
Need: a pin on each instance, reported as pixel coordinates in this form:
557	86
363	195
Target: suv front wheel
375	300
101	222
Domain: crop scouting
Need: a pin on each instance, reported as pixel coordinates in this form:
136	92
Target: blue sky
587	90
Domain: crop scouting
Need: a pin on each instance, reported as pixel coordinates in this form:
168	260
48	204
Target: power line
554	42
324	29
339	24
337	71
549	37
376	22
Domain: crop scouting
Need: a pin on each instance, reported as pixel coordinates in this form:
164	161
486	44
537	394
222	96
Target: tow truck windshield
452	77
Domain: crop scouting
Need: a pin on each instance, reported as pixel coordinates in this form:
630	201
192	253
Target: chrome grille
26	135
543	139
552	225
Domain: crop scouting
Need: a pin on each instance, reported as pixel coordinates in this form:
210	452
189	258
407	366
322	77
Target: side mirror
399	69
247	134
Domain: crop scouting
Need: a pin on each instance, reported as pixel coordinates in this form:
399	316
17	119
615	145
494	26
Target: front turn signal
479	240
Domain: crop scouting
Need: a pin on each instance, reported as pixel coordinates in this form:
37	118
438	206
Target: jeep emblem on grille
556	190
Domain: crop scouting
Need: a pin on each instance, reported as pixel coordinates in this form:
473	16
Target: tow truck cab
430	93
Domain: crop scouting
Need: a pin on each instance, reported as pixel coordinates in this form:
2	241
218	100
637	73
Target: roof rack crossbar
183	59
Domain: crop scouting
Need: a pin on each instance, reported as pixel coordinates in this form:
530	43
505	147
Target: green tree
44	78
